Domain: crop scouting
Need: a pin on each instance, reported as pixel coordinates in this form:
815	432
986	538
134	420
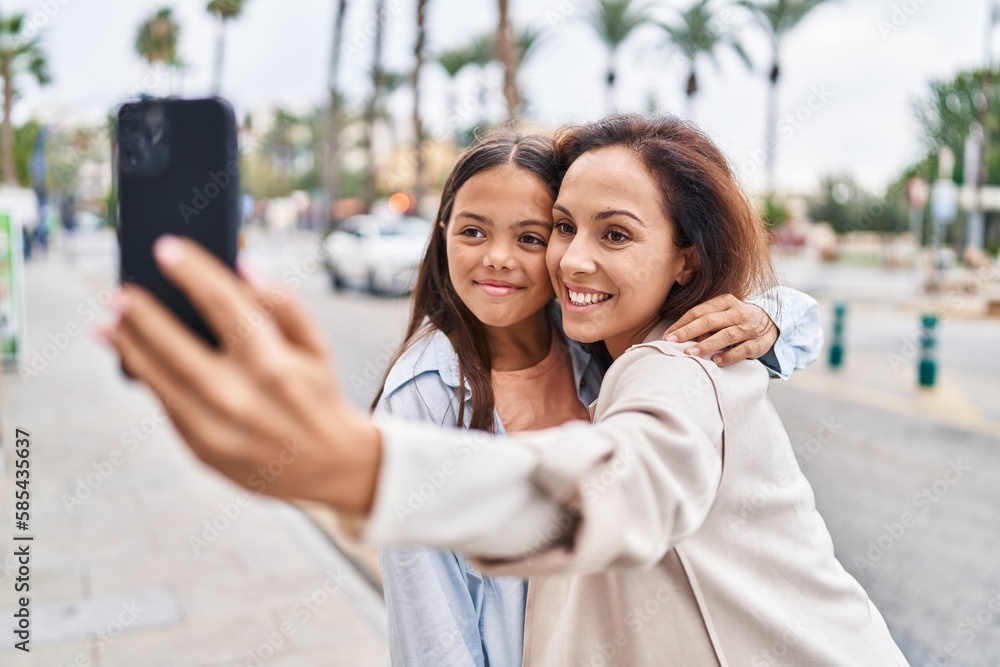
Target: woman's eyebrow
605	215
617	212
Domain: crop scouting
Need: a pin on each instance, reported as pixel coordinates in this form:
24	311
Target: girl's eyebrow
477	218
486	221
534	223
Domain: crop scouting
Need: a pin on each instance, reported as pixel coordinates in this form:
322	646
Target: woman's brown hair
434	296
700	196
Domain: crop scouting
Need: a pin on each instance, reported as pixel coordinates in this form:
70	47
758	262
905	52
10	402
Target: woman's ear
691	265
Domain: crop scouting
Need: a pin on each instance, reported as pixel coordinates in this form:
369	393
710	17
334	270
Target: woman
482	350
676	529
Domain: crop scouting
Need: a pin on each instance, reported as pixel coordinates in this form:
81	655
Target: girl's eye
563	227
531	239
472	233
617	237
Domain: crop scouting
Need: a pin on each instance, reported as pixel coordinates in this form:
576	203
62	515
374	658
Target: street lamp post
977	144
944	206
918	191
974	144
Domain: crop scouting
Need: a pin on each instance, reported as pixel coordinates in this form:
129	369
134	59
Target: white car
381	255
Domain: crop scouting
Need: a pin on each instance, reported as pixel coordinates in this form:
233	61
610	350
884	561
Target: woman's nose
578	258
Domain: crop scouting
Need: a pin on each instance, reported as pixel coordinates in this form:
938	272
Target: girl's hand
264	409
742	330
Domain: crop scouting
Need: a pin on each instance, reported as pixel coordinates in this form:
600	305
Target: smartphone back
178	173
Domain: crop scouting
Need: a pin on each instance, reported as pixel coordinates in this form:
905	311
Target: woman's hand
265	409
742	330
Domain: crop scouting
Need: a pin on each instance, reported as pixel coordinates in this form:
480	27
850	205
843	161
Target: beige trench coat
677	530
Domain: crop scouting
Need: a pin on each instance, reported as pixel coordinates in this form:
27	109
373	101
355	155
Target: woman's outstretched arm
583	498
538	500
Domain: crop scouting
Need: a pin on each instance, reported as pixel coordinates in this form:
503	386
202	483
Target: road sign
944	200
918	191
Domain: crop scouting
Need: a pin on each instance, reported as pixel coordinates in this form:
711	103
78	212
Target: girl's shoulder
431	352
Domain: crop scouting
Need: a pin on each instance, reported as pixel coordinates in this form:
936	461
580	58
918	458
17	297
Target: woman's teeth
581	299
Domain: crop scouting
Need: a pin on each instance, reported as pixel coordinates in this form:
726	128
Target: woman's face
612	257
496	238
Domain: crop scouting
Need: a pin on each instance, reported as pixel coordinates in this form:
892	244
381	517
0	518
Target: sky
851	71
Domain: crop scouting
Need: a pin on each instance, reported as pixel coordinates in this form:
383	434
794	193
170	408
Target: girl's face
612	257
496	238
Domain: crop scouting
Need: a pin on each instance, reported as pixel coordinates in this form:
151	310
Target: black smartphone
177	168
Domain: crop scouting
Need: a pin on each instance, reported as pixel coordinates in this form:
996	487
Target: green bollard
836	358
927	368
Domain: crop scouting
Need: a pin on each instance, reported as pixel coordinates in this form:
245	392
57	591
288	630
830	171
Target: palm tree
331	157
452	62
225	11
482	51
777	18
156	42
506	53
614	21
392	81
19	55
418	125
371	109
526	43
699	35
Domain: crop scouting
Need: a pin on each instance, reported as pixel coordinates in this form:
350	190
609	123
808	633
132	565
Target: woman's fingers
167	346
288	313
296	323
187	402
216	293
144	366
208	404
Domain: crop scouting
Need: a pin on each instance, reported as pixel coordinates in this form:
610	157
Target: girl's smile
497	288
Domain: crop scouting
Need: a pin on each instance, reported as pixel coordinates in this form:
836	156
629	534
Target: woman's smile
583	299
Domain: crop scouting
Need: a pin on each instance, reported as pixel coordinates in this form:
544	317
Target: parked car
381	255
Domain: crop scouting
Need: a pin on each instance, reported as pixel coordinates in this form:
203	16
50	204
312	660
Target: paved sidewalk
141	556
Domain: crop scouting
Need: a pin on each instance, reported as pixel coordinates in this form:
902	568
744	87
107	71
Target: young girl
484	350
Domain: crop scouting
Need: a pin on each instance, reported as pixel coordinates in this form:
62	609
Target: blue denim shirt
442	611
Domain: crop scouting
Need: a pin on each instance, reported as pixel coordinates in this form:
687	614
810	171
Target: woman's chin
583	333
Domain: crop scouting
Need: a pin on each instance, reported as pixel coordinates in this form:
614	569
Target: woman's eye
616	236
563	227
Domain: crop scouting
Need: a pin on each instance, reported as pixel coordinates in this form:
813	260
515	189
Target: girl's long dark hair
434	296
